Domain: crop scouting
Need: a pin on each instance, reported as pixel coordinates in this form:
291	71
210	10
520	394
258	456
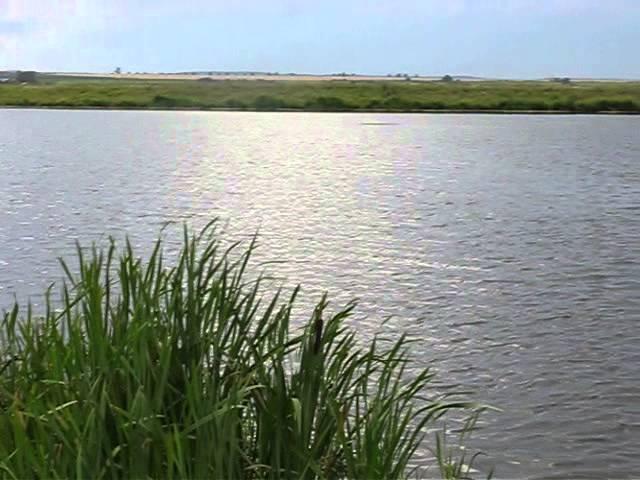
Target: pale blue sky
496	38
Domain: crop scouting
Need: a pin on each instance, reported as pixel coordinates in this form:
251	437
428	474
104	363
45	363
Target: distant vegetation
339	95
563	80
144	370
26	77
18	76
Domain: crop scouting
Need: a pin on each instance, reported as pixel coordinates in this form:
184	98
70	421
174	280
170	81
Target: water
509	245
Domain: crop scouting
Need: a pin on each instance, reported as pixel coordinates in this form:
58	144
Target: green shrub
399	103
620	104
234	103
128	103
433	105
94	102
595	105
328	103
147	370
266	102
163	101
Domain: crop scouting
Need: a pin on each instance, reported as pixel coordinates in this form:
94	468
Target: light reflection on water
507	244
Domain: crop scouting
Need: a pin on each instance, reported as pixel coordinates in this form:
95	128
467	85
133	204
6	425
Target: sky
490	38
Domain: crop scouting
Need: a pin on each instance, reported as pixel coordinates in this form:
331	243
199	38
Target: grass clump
187	371
328	103
267	102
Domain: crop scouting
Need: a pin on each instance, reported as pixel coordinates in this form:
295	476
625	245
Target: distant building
26	77
7	76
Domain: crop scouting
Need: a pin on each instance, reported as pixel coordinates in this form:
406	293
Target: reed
146	369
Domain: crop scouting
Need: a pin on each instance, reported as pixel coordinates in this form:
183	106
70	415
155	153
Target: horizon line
211	72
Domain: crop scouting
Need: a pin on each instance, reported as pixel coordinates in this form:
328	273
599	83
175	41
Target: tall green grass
151	370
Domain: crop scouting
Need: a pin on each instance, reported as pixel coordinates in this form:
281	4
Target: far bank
496	97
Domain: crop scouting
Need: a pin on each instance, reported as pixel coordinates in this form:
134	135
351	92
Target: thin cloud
35	33
39	28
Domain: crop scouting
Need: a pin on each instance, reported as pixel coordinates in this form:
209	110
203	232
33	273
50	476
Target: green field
336	95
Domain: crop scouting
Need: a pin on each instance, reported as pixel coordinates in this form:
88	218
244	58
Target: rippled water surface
508	245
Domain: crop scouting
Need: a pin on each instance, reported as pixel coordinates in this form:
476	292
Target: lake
509	246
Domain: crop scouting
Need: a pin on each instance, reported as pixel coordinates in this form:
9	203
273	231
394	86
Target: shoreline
506	98
303	110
